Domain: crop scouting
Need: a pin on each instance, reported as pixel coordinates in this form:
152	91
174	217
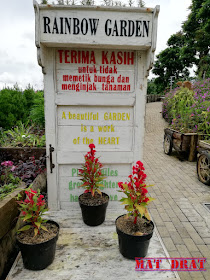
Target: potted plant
37	239
135	229
93	202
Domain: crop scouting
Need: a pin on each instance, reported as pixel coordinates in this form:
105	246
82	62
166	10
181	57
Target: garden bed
21	153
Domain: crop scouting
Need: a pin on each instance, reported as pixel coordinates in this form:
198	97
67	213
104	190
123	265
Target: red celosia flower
92	146
91	172
32	209
144	191
136	192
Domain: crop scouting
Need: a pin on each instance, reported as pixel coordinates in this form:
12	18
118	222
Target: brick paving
178	212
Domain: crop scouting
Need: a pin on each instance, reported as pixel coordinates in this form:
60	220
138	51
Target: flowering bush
136	192
91	172
32	210
189	110
7	175
8	182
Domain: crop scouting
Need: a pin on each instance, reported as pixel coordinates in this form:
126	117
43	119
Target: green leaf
129	208
127	201
140	208
28	216
36	231
150	199
150	186
27	227
44	228
100	185
99	192
146	214
38	224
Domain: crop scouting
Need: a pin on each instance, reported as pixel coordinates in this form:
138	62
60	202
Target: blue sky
18	60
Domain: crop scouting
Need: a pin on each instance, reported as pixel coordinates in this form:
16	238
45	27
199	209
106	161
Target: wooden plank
50	127
204	145
100	117
102	34
71	138
139	108
193	145
65	157
88	100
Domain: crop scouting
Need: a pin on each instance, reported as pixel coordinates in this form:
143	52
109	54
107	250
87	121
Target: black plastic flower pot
41	255
131	246
94	215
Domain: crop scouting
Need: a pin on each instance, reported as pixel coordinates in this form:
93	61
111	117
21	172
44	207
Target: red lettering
73	57
174	264
119	57
201	261
157	262
125	58
113	60
149	265
60	55
193	265
139	264
85	57
183	264
79	57
131	58
66	56
92	58
104	58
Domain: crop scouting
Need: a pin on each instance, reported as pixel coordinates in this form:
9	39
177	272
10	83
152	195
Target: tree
197	33
141	3
186	48
130	3
172	61
88	2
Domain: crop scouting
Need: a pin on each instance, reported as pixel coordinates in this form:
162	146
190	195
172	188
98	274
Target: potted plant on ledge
135	229
93	202
37	239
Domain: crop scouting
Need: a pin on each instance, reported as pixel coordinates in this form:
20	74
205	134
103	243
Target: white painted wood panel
101	28
111	170
70	157
69	182
88	70
98	99
71	138
97	116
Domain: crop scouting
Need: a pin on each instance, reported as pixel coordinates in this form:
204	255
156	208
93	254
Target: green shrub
29	96
12	107
16	106
37	110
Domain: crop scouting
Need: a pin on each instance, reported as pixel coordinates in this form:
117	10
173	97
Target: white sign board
96	61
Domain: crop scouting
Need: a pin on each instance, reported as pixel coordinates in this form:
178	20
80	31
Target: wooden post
193	145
